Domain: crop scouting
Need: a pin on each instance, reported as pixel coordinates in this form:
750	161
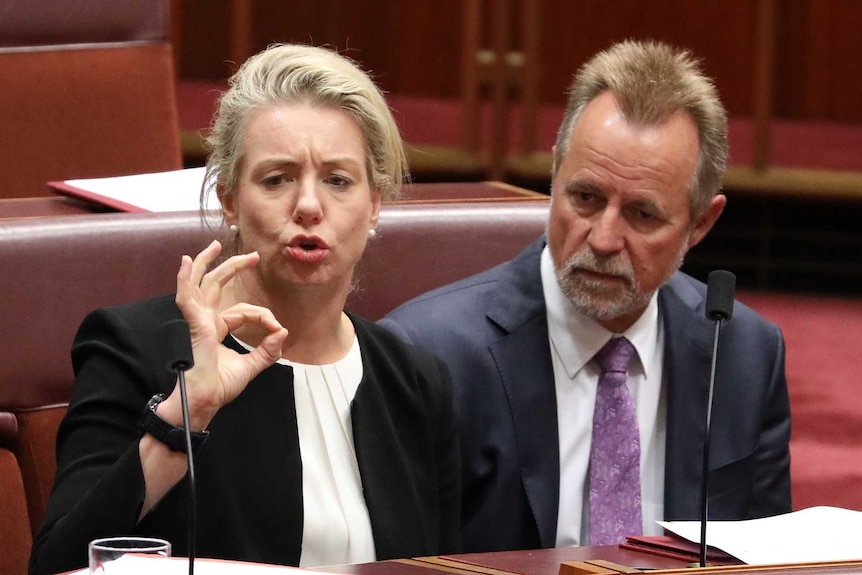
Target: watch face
155	401
172	436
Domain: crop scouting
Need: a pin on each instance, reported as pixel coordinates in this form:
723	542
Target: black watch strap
171	435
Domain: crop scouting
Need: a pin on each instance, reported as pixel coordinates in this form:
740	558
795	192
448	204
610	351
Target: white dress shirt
574	340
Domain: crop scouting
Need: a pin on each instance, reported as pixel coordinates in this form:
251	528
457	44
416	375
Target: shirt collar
576	338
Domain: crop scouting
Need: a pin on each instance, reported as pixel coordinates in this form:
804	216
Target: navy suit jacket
491	329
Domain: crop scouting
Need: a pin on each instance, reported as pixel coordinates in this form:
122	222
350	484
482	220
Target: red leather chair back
87	89
15	537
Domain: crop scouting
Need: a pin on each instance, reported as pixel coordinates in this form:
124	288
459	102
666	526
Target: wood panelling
819	60
719	32
413	47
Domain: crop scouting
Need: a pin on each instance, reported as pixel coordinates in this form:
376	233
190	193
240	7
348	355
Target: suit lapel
518	308
688	345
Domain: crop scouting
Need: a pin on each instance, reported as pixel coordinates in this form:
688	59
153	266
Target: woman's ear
228	204
376	200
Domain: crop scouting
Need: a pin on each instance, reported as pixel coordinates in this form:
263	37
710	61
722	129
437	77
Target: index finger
229	268
202	261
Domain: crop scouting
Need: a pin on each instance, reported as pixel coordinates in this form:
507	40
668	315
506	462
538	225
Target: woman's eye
273	181
338	180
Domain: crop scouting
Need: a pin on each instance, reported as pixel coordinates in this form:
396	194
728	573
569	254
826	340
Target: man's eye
585	197
645	215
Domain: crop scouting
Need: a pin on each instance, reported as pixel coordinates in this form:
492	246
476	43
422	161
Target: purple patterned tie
615	488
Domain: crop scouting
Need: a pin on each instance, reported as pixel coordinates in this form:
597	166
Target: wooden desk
412	193
603	560
548	561
529	562
44	207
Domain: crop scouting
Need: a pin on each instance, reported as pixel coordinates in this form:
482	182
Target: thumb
265	354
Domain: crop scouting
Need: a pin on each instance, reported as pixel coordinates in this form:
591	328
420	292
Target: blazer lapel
523	359
389	489
688	345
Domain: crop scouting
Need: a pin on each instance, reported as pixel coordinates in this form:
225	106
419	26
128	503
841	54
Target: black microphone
720	288
179	345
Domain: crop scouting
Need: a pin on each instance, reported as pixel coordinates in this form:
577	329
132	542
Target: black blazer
249	477
492	331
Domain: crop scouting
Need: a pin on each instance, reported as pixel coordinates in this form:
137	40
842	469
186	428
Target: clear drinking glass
128	555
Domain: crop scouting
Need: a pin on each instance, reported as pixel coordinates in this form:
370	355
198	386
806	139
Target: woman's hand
220	374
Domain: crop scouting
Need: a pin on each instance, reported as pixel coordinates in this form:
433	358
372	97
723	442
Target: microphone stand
177	335
721	286
704	493
193	503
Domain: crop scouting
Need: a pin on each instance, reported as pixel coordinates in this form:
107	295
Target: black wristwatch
171	435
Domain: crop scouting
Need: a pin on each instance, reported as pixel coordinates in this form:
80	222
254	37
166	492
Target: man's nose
607	232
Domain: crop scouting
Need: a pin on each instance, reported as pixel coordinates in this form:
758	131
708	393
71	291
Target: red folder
677	548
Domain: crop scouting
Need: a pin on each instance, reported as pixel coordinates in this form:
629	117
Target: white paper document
174	191
807	536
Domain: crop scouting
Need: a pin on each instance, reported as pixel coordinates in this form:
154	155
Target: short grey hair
651	81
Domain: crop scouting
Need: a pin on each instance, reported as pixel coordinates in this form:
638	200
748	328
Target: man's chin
602	304
597	312
600	293
599	306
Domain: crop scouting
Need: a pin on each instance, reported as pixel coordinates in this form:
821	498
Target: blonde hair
297	74
652	81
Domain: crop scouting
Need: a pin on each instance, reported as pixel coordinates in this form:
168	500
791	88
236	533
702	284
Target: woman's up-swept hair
290	74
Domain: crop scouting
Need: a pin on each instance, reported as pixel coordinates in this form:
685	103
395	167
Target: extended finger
184	274
202	261
229	268
189	274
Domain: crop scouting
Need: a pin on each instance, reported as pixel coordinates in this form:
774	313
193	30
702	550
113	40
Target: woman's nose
307	208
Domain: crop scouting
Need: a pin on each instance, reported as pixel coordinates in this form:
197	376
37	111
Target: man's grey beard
595	299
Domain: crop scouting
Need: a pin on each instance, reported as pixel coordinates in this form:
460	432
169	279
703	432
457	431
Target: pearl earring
372	233
234	229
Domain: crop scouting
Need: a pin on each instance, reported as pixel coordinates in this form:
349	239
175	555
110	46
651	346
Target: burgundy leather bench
57	269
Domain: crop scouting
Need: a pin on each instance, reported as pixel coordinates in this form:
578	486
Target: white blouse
336	525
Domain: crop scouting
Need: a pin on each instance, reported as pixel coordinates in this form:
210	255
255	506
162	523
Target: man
638	164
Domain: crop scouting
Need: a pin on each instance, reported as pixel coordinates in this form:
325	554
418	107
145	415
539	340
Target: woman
329	441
